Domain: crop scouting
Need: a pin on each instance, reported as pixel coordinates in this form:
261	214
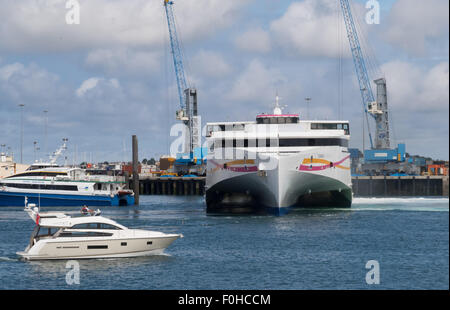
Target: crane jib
176	53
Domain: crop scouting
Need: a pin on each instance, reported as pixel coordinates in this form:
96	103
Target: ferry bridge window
263	120
277	120
291	120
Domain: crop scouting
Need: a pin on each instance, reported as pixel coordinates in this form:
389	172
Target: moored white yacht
59	235
277	162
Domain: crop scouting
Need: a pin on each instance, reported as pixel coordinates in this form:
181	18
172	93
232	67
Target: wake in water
440	204
7	259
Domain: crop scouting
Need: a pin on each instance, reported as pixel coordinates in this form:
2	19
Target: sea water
305	249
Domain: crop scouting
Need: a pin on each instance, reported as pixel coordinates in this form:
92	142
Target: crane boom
358	60
187	96
377	109
176	53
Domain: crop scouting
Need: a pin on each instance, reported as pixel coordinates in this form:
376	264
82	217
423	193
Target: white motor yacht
59	235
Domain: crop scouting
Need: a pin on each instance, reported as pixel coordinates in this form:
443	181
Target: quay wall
171	186
363	186
399	186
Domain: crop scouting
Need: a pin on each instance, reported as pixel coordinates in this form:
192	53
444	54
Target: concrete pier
375	186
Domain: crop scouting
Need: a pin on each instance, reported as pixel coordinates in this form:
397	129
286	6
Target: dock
363	186
172	186
400	186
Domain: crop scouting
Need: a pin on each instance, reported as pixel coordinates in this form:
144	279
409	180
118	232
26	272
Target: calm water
306	249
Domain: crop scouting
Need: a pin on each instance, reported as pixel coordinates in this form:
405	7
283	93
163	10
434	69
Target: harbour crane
380	156
187	96
377	109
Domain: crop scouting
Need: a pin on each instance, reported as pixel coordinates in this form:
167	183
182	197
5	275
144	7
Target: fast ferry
48	184
62	186
277	162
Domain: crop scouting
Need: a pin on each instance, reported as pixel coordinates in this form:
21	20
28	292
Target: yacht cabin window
95	226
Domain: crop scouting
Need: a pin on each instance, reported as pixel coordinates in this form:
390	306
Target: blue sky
111	76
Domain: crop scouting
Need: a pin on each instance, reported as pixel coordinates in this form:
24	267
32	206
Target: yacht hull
95	249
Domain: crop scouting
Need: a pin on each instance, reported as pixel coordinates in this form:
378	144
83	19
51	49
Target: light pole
308	99
21	132
35	149
45	132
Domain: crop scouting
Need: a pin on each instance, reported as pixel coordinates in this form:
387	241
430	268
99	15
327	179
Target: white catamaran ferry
48	184
277	162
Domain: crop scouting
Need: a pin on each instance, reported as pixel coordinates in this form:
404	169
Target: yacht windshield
95	226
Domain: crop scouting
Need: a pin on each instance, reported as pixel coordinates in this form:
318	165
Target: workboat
60	235
277	162
48	184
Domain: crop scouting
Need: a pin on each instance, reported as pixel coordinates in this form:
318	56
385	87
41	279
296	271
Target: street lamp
35	149
308	99
45	131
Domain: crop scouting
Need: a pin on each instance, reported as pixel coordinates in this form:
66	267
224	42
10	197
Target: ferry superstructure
277	162
63	186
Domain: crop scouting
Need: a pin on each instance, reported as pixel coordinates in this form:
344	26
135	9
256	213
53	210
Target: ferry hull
12	199
277	190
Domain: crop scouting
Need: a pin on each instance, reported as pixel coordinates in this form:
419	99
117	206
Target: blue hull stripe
12	199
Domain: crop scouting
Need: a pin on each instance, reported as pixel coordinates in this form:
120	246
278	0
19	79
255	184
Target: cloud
411	24
418	103
24	84
210	64
310	28
414	89
87	85
41	25
256	83
254	40
124	61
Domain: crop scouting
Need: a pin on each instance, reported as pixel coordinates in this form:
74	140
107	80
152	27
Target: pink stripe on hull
323	167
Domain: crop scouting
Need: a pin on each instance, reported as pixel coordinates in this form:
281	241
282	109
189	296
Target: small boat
63	235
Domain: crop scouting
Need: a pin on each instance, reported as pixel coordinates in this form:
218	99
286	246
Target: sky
111	76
